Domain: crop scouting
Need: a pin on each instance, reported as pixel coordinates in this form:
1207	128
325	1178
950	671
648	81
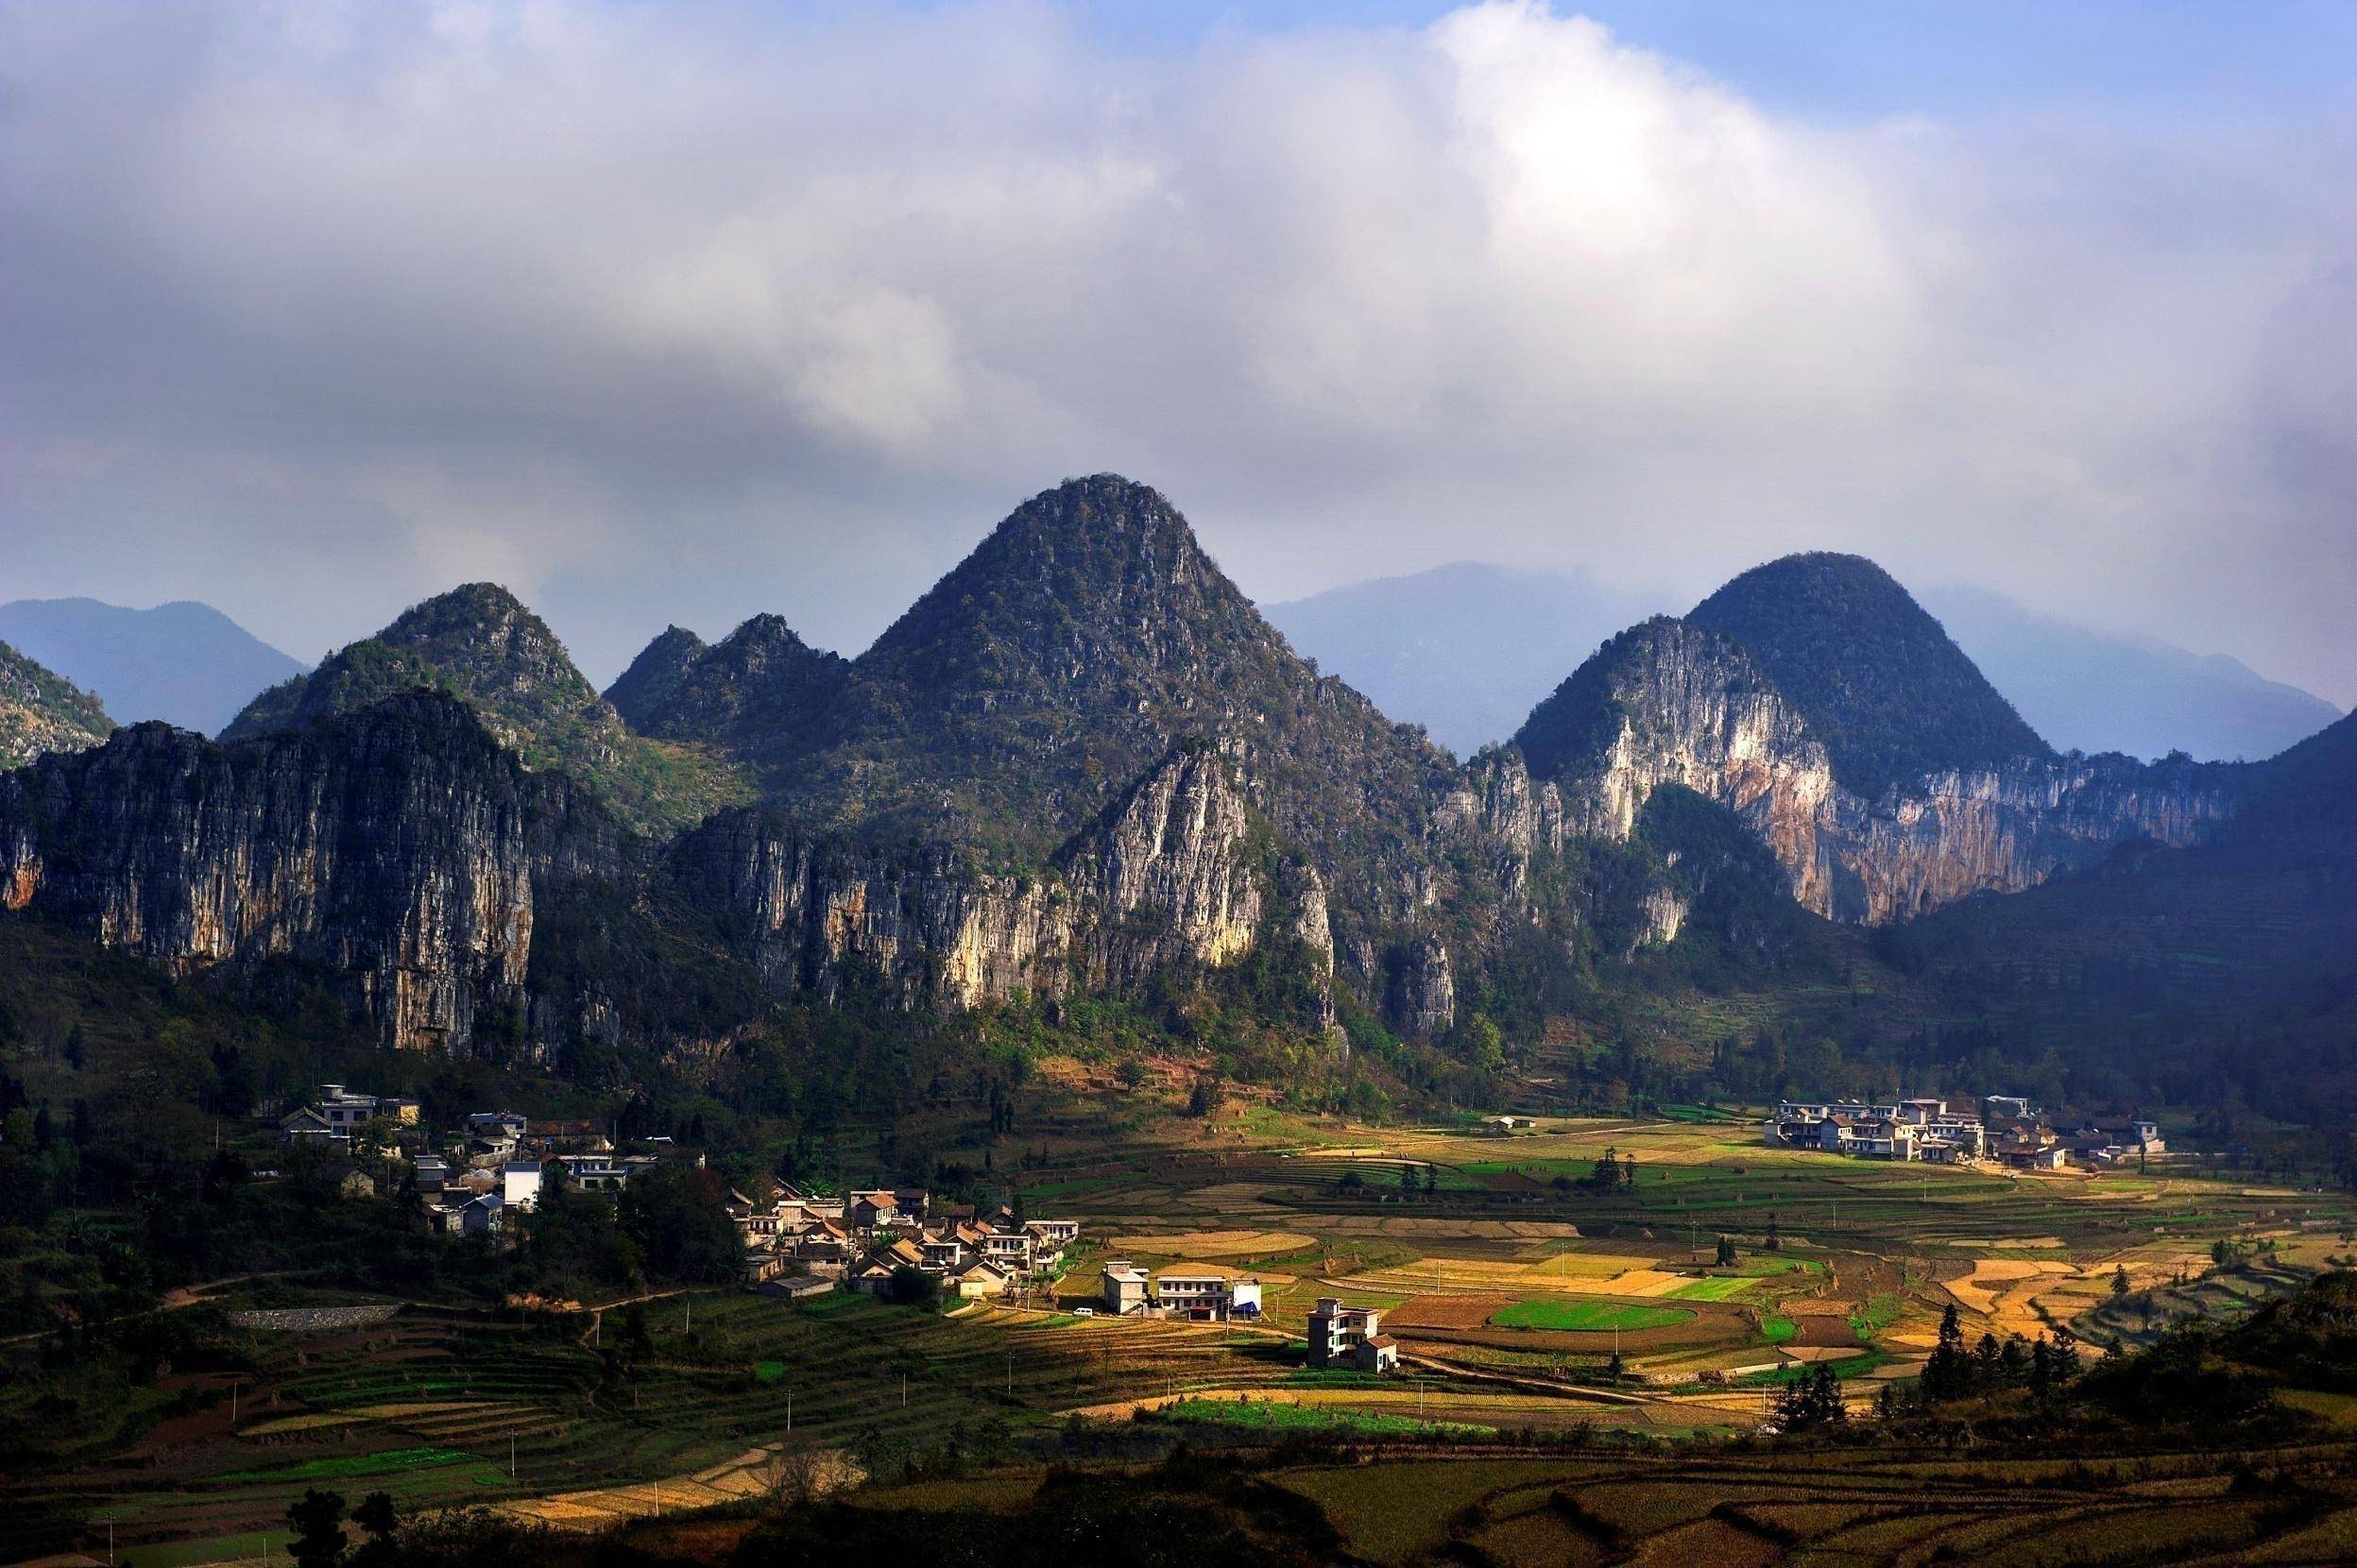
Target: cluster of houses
2005	1130
496	1164
799	1243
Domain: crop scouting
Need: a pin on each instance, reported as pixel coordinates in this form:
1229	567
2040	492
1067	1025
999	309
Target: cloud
681	311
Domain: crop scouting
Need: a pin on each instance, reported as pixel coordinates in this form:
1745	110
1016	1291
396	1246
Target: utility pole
511	1455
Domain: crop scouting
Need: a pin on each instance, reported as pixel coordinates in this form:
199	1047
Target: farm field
1722	1269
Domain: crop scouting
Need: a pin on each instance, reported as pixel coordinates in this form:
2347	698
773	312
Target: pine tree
1948	1374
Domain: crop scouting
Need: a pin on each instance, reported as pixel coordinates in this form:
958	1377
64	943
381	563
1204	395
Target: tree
375	1516
679	1216
916	1288
2119	1281
316	1519
1812	1402
1948	1374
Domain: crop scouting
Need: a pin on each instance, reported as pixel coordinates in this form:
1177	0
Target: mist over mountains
1467	649
184	663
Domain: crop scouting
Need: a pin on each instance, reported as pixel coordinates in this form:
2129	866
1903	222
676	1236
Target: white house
520	1184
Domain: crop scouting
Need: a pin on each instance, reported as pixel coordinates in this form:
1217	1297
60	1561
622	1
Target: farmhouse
1127	1288
1207	1295
1350	1336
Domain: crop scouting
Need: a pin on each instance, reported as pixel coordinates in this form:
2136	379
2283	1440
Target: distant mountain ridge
2091	691
1466	650
42	711
184	662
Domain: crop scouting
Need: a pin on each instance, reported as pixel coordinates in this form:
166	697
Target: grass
1547	1313
1271	1416
1779	1331
1882	1310
389	1461
1718	1289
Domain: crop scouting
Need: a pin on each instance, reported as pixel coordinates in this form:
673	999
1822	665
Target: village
2006	1131
896	1243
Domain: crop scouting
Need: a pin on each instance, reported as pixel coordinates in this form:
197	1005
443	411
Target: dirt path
755	1473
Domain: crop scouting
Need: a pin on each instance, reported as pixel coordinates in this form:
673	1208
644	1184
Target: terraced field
1509	1299
1842	1508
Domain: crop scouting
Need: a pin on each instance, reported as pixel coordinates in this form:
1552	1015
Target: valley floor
1510	1280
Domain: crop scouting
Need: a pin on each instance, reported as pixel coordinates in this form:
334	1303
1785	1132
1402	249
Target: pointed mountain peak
481	645
1877	680
641	691
756	693
1080	639
764	632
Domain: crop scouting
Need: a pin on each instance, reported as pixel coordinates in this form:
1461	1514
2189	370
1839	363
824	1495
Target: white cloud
714	307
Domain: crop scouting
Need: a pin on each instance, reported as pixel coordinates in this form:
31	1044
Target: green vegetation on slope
479	645
1875	676
40	711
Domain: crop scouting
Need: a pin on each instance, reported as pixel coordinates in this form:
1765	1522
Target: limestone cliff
1673	703
1176	876
401	849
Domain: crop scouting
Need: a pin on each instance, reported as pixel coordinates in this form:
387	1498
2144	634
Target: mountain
478	643
1082	766
399	848
1077	644
759	694
1464	650
1681	703
1875	678
2091	691
184	663
43	712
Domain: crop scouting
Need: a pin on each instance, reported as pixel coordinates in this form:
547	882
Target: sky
669	311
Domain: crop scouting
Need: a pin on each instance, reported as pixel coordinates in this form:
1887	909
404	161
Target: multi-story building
1350	1336
1127	1288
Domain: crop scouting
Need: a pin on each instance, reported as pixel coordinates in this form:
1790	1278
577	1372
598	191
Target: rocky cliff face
42	711
1176	876
400	848
1672	703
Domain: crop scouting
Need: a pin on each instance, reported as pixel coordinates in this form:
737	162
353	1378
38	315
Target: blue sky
2168	60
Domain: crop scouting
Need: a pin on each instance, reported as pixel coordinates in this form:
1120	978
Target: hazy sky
677	312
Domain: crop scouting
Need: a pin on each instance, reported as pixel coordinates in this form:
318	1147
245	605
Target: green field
1556	1313
1273	1416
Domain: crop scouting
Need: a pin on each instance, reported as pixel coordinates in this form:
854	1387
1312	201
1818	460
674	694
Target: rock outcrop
1178	875
1672	703
40	711
399	849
